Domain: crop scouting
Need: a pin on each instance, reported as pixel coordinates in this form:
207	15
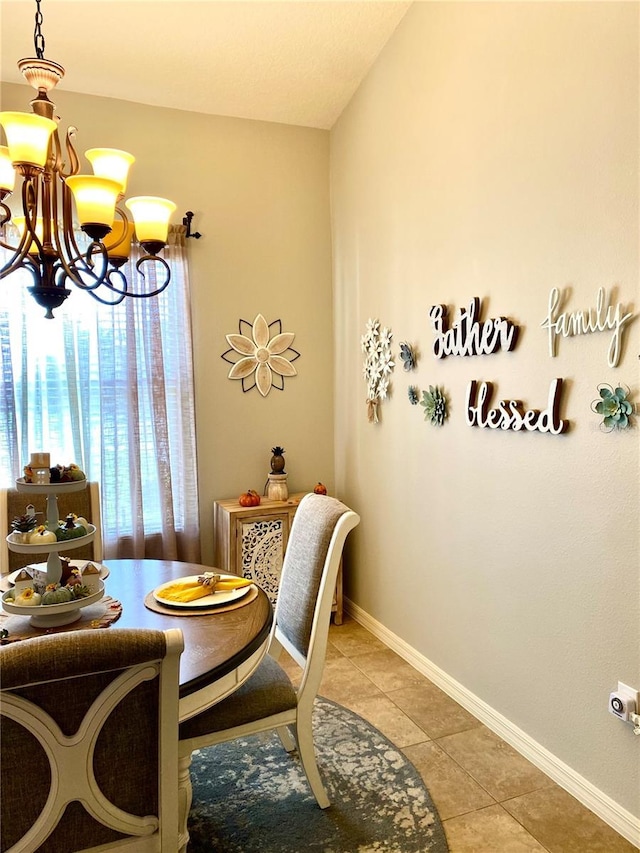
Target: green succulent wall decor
435	405
412	393
614	406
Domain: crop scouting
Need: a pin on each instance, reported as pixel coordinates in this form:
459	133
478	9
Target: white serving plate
50	488
207	601
49	547
76	564
51	615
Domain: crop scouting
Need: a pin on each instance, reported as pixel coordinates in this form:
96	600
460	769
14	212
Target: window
111	389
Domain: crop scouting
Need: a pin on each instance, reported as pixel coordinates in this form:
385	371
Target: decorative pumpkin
79	519
27	598
249	498
320	489
42	536
60	595
70	530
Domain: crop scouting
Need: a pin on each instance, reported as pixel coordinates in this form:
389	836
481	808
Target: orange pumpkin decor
249	498
320	489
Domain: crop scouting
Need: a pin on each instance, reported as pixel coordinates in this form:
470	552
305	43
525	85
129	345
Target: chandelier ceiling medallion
53	193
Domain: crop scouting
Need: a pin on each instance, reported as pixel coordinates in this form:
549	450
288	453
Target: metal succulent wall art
407	356
614	407
435	405
261	355
378	365
412	393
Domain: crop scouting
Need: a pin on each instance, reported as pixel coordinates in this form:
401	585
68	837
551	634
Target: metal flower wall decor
378	365
261	355
435	405
614	406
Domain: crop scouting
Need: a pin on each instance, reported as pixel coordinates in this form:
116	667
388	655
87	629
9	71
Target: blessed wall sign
511	414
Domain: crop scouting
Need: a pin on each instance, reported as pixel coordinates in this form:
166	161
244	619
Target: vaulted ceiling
274	60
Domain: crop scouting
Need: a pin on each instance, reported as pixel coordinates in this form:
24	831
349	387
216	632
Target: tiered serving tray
52	615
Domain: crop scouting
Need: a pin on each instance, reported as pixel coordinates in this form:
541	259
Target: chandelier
54	196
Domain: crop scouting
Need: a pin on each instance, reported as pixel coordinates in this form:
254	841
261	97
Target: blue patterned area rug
250	796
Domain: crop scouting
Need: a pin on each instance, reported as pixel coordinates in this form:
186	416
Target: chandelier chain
38	38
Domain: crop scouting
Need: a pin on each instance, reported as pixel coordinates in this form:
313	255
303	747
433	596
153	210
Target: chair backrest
89	741
85	503
307	582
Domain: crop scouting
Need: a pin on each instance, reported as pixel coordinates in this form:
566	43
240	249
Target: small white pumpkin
42	536
27	598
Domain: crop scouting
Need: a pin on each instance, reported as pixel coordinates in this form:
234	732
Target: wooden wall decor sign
511	414
468	335
604	317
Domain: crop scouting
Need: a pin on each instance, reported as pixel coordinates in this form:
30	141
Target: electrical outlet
624	702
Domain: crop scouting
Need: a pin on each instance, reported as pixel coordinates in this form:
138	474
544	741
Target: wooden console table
251	542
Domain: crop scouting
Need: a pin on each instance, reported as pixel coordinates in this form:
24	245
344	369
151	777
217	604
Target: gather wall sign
468	335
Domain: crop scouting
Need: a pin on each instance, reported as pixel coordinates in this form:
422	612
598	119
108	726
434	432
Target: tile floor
490	799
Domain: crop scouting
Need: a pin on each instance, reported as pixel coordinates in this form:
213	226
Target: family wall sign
470	336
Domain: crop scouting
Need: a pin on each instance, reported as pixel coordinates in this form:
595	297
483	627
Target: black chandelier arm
5	214
29	235
114	275
158	260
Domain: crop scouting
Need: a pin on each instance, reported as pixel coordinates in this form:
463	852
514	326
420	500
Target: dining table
223	645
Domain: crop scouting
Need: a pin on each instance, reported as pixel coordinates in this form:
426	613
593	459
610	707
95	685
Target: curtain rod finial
186	221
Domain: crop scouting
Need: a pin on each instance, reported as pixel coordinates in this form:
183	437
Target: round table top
216	643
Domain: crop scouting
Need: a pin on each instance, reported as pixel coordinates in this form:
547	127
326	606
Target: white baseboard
599	803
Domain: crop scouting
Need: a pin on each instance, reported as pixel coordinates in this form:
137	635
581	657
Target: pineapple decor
277	460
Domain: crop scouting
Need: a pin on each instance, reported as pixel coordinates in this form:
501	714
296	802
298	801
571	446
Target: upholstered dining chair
84	503
89	724
268	699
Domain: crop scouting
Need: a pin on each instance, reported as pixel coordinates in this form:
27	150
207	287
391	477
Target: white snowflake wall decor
378	365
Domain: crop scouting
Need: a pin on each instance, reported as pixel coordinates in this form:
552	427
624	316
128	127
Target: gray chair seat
269	691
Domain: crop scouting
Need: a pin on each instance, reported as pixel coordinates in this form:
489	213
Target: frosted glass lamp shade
111	163
151	217
7	172
118	242
28	137
95	200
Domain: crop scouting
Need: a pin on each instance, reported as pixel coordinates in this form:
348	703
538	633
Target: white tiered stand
52	615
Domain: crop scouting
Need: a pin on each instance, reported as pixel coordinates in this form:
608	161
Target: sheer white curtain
110	388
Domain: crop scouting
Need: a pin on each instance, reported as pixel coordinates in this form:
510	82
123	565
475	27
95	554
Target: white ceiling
286	61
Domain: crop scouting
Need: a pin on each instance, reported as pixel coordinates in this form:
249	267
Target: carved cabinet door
261	550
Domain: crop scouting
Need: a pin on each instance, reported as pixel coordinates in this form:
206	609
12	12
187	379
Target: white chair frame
71	759
298	720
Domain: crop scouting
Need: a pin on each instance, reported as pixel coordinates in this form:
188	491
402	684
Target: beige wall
261	198
493	152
